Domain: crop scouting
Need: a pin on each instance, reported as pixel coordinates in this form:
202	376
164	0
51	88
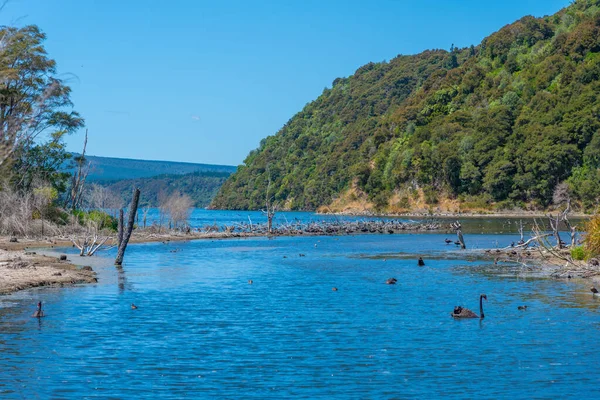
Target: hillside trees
503	122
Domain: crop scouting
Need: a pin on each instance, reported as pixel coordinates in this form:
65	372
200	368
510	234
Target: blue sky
205	81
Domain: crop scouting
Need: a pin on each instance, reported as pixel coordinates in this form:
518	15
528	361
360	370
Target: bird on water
38	313
391	281
421	262
133	306
594	290
461	312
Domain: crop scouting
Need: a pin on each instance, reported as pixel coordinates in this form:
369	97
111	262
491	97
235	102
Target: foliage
592	237
33	100
507	121
578	253
99	218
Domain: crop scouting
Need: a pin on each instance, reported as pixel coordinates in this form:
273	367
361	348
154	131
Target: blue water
202	331
200	218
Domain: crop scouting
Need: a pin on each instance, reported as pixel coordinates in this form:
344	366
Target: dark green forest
502	123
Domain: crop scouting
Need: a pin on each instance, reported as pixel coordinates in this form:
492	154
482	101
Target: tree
33	99
126	233
179	208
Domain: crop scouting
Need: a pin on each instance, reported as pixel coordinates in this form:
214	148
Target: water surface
202	330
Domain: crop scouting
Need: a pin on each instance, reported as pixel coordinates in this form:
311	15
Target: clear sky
205	81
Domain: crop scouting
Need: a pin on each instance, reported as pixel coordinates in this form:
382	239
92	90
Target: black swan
461	312
38	313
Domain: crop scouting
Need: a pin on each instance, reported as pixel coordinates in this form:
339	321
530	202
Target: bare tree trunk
130	222
78	179
120	228
554	222
522	240
458	228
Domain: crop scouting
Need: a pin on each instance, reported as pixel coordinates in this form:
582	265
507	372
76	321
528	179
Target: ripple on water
202	331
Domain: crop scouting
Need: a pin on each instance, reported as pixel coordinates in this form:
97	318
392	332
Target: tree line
498	125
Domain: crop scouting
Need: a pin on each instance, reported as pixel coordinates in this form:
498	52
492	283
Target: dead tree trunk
130	222
522	240
120	228
271	207
458	228
79	177
554	222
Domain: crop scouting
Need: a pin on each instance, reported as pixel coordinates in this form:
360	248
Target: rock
57	274
63	257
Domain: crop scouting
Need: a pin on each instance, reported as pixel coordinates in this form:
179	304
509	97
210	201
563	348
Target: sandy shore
21	270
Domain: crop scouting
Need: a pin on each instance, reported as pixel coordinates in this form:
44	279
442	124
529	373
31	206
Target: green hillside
200	186
496	125
114	169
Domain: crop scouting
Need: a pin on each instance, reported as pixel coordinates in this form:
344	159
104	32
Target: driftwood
130	222
89	244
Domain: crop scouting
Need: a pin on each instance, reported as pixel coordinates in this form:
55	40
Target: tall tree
33	100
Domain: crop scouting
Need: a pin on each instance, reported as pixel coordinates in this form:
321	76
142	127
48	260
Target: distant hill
110	169
200	186
503	124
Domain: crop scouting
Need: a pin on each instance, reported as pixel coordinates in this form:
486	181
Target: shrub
592	237
578	253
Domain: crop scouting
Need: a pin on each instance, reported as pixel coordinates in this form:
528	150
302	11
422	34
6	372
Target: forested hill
499	125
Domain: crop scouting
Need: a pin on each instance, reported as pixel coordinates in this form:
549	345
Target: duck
133	306
334	289
420	262
250	282
594	290
448	241
522	307
391	281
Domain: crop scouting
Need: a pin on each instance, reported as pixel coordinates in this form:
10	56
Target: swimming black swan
38	313
461	312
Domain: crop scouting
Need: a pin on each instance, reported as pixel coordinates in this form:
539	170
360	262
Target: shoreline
524	214
21	268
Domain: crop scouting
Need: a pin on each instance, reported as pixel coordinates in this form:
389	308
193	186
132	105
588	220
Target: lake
202	331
